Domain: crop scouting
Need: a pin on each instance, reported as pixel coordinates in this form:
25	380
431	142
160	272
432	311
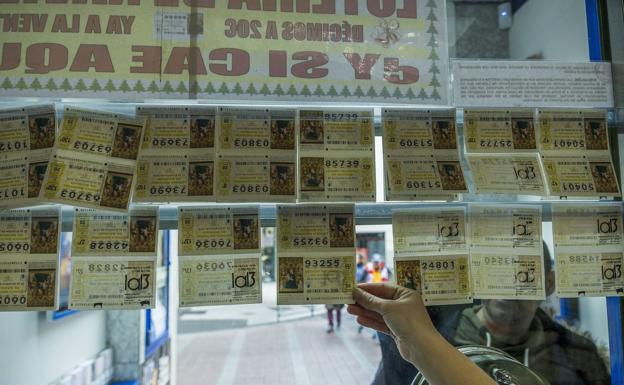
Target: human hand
396	311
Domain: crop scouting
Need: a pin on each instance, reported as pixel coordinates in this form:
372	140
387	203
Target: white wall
35	351
555	28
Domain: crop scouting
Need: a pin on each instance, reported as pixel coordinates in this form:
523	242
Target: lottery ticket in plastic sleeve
99	133
175	178
112	283
507	276
337	178
326	279
315	228
217	231
581	274
442	279
73	180
256	178
21	178
115	234
436	230
517	227
499	131
422	131
30	231
594	226
581	176
256	131
569	131
507	174
421	177
336	130
178	128
219	280
27	128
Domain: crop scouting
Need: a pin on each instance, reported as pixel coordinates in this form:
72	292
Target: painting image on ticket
408	274
42	127
581	274
328	279
202	131
116	192
44	235
127	140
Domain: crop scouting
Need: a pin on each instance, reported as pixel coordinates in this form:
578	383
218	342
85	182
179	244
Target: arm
400	312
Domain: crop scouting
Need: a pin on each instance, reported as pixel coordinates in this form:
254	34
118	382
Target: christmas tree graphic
433	55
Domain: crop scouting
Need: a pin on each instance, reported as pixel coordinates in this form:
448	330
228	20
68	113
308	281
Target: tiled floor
294	353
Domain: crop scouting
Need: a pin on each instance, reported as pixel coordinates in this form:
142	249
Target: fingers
381	290
368	300
357	310
373	324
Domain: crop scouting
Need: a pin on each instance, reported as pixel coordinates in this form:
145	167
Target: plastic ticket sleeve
416	176
256	131
305	228
328	130
175	178
106	233
511	174
429	230
507	276
168	127
589	274
442	280
326	279
101	133
424	131
337	178
112	283
30	232
21	178
76	181
208	231
595	226
581	176
506	227
499	131
219	280
256	178
568	131
27	128
28	282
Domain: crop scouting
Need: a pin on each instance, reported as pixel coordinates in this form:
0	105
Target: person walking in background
378	272
330	316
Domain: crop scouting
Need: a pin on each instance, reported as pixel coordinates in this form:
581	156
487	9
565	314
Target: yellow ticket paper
27	129
21	178
75	180
341	177
506	251
499	131
589	244
316	254
219	251
441	279
175	178
29	244
584	175
429	231
334	130
408	132
515	174
178	128
569	131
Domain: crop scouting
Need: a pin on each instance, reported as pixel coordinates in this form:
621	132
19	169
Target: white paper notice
492	83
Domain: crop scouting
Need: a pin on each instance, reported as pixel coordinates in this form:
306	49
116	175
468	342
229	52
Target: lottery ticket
589	273
336	130
219	251
27	128
512	174
76	180
499	131
21	178
423	131
429	231
175	178
441	280
316	254
29	244
581	175
510	227
335	177
570	131
593	226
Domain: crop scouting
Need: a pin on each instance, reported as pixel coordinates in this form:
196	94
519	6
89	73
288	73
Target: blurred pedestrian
330	316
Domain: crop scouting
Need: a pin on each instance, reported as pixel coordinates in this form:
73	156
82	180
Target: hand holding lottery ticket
400	312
